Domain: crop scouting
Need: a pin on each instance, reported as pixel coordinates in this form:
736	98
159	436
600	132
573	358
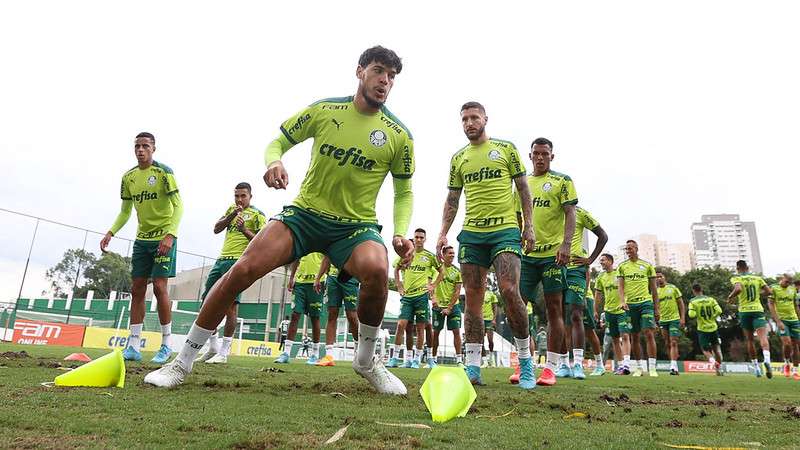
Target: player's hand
404	249
106	240
528	239
657	314
624	305
317	286
401	290
440	244
434	303
580	261
447	311
240	223
290	286
494	323
780	325
276	176
165	245
237	210
562	257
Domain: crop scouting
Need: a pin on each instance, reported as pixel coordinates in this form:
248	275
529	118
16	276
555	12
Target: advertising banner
247	347
110	338
34	332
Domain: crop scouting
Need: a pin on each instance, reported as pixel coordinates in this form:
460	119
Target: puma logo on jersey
337	123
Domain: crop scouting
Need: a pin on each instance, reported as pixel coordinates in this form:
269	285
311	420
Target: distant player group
527	230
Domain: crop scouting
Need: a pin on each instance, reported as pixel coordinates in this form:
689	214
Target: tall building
722	239
660	253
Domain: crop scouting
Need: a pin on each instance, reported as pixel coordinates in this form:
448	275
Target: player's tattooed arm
448	215
528	238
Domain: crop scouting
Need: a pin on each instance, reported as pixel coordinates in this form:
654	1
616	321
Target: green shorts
416	307
482	248
487	325
339	293
588	314
544	270
315	233
642	315
221	267
146	263
752	321
673	327
531	324
306	300
791	328
575	292
708	339
618	323
453	319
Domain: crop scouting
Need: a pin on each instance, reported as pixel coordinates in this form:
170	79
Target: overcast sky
660	113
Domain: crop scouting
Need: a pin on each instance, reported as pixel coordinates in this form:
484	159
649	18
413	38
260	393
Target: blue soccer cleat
474	375
312	360
162	355
407	364
527	378
282	359
131	354
393	362
757	371
415	364
577	372
432	363
563	372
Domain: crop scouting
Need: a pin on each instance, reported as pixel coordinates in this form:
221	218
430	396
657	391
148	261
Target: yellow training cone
447	393
106	371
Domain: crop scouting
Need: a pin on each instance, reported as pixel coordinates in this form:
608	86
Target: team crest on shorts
494	155
151	180
377	138
547	186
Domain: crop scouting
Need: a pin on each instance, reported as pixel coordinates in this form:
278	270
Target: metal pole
24	273
78	272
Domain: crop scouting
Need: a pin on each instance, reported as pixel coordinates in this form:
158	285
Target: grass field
252	403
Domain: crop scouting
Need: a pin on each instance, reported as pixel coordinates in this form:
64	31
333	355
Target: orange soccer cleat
547	378
514	378
326	361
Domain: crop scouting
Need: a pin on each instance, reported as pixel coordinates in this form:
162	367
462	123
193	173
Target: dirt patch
792	412
622	398
674	423
49	441
49	364
279	440
15	355
272	370
707	402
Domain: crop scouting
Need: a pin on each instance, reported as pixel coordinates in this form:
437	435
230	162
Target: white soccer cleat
205	356
217	359
380	378
168	376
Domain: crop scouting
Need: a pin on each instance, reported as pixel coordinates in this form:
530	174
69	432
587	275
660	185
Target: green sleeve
718	309
403	205
515	166
276	149
402	166
569	196
177	213
124	215
455	181
692	310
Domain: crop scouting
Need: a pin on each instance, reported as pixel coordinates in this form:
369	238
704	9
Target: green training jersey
750	296
489	300
706	310
308	268
637	275
606	283
583	221
668	298
150	190
350	157
451	276
485	173
423	268
784	298
550	193
235	240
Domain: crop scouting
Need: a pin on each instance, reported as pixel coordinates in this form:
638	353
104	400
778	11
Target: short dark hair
697	288
420	230
741	264
470	105
608	255
146	134
631	241
542	141
449	247
244	185
381	55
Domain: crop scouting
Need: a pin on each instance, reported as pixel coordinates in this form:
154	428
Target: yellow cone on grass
447	393
106	371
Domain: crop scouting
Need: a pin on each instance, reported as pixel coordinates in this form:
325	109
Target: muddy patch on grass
49	441
15	355
280	440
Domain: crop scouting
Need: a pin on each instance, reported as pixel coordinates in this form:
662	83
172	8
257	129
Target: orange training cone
106	371
81	357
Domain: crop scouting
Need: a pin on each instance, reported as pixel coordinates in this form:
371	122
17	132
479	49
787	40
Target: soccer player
706	310
413	284
489	311
589	324
553	219
150	187
307	301
284	327
446	307
339	294
242	221
575	294
637	285
357	142
747	289
616	312
673	318
784	310
485	169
